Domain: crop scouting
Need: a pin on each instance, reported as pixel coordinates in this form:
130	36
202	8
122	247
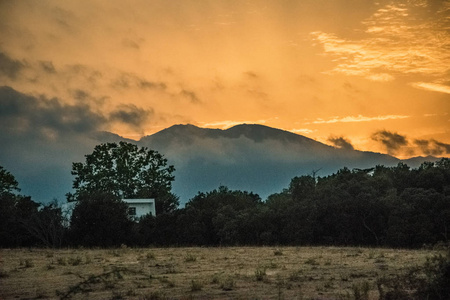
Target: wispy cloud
432	87
399	144
432	147
341	142
230	123
131	115
48	67
359	118
401	40
10	67
391	140
192	96
132	81
302	130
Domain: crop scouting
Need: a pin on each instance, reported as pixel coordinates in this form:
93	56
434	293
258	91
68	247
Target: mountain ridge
250	157
253	131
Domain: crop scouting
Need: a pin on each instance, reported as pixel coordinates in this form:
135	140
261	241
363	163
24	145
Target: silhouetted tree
302	187
46	225
100	219
15	210
212	216
127	171
8	183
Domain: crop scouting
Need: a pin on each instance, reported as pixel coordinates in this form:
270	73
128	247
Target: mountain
415	162
247	157
40	138
255	158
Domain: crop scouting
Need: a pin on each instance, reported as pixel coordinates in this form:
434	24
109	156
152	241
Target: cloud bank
398	144
401	40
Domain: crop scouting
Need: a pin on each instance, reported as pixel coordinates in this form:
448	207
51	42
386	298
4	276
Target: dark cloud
84	97
251	75
258	94
10	67
91	75
391	140
25	115
48	67
41	137
131	81
398	144
443	146
122	82
432	147
131	115
351	88
144	84
128	43
341	142
80	94
64	20
423	145
191	96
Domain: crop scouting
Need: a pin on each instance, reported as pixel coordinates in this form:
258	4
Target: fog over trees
379	206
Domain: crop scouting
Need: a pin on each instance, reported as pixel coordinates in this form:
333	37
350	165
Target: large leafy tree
127	171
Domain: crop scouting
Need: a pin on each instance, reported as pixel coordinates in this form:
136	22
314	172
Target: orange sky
371	72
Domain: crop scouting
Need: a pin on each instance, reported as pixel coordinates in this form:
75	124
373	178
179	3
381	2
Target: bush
196	286
431	281
277	252
228	284
437	281
190	258
361	291
260	274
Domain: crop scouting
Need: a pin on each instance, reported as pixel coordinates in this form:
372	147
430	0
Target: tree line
381	206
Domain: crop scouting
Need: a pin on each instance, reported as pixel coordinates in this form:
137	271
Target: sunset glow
365	72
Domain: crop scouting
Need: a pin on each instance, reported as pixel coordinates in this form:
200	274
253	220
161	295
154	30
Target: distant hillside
255	158
415	162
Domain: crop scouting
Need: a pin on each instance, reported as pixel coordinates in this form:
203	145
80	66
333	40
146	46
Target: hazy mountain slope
415	162
249	157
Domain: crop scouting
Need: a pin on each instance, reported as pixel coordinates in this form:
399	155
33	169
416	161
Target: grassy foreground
201	273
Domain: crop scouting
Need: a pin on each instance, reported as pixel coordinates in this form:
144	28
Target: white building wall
142	206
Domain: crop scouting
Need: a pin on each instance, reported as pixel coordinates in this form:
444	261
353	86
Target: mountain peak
255	132
182	131
259	133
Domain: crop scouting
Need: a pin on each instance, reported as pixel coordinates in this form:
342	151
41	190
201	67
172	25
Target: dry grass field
201	273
